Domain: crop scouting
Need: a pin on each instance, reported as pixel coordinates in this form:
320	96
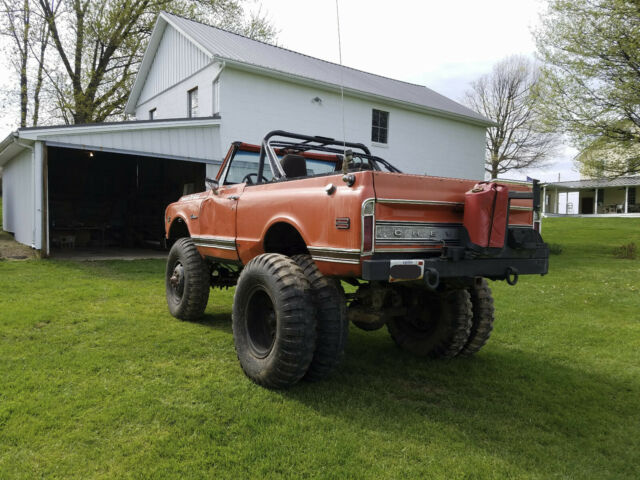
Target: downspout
33	178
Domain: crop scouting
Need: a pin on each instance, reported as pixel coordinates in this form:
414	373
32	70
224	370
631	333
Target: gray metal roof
598	183
236	48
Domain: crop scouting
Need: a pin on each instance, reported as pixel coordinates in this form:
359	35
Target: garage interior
102	201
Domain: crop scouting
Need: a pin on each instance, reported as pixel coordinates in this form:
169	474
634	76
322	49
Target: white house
591	197
199	89
191	69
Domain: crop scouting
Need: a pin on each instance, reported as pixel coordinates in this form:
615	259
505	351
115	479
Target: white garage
104	185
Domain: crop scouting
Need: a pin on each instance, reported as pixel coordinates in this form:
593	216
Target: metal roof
598	183
181	138
239	50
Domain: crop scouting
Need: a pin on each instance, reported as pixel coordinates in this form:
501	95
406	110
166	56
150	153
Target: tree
508	97
591	81
28	37
96	47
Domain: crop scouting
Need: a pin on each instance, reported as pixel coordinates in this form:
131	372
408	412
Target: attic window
192	103
152	113
380	126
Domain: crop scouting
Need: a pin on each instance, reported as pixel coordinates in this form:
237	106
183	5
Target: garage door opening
104	202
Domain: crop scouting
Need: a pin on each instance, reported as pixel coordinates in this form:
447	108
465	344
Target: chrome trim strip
517	207
223	243
335	260
219	247
420	202
419	224
333	250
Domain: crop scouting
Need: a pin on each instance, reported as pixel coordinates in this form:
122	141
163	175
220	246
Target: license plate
405	270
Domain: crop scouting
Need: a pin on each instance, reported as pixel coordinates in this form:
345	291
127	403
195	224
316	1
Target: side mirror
213	185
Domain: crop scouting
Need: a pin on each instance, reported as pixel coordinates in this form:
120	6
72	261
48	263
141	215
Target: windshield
244	166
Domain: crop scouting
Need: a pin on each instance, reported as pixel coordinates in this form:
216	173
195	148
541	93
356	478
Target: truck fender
178	228
283	226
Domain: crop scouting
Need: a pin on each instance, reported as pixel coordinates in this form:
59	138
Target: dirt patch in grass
12	250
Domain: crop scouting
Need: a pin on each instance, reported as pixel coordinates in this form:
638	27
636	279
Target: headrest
294	165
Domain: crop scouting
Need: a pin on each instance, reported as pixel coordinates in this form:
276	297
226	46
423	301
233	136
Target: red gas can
485	214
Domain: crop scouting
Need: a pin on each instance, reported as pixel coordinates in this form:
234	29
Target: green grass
98	381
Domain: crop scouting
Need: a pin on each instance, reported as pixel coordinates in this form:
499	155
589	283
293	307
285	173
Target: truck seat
294	165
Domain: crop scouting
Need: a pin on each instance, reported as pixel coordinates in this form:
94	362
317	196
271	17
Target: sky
441	45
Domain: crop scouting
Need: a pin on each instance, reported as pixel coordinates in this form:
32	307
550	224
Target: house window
152	114
380	126
631	196
216	97
601	195
192	103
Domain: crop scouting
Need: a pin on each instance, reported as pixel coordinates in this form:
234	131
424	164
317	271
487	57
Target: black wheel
186	281
274	329
331	318
436	325
483	315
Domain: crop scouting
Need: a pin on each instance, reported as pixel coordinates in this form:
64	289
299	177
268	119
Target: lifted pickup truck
286	222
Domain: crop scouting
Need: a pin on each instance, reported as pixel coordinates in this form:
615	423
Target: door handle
233	197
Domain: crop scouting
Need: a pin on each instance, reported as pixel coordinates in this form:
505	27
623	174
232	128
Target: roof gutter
268	72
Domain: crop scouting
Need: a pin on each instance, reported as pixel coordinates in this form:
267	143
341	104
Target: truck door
218	222
218	215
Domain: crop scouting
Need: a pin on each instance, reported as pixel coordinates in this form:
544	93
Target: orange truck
288	222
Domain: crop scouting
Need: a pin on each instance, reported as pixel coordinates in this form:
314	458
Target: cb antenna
344	135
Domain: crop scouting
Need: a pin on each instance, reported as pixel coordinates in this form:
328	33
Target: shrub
555	248
629	250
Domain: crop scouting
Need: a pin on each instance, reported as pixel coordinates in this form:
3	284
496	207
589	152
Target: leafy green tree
591	80
96	46
508	96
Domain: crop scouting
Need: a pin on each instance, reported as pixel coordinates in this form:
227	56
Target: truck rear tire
483	316
186	281
274	329
332	325
437	324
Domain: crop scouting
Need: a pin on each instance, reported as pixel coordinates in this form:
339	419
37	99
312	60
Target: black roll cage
309	142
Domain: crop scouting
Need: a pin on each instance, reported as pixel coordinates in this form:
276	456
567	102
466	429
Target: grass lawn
97	380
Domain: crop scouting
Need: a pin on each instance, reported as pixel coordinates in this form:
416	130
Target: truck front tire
331	318
436	325
274	328
186	281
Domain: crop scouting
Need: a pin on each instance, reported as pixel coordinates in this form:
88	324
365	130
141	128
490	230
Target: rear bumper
500	268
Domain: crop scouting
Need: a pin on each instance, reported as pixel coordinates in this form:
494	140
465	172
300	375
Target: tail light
367	233
368	225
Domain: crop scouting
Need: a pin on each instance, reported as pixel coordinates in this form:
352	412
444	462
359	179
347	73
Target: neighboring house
200	88
603	196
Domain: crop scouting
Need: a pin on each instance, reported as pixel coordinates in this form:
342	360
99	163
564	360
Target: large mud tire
186	281
483	316
437	324
332	325
274	329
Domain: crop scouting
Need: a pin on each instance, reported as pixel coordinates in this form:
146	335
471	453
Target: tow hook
431	278
511	276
